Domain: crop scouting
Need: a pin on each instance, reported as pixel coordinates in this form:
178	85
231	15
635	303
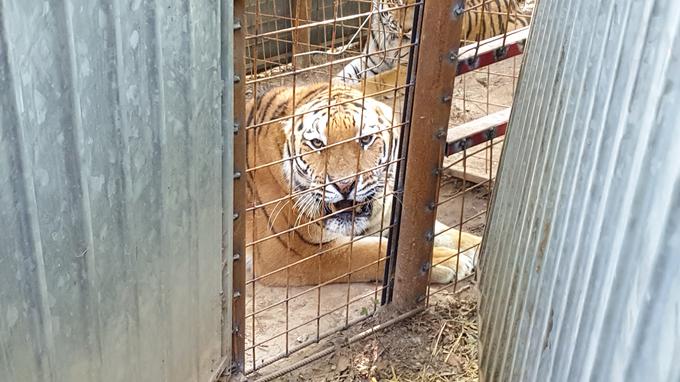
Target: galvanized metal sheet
110	190
581	265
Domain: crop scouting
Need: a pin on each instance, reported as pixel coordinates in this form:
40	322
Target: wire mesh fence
482	102
494	34
320	163
327	84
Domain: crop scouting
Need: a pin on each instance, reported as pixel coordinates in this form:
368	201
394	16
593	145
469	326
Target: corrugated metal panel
581	267
110	190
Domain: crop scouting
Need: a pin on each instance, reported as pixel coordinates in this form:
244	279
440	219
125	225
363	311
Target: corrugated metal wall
110	190
581	267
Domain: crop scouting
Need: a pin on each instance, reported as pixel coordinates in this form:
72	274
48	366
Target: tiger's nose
345	187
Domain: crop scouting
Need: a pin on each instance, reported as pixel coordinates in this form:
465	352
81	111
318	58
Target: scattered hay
439	344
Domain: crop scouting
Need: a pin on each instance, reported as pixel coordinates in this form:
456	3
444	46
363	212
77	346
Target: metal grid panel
110	191
580	270
482	99
286	317
276	23
485	19
287	310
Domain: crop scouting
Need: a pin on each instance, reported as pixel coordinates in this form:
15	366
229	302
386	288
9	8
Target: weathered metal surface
110	190
239	199
580	267
440	33
231	26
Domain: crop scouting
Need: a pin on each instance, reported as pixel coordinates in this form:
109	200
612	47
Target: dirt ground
436	345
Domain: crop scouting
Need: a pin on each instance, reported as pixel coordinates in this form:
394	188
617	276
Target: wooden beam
473	133
459	138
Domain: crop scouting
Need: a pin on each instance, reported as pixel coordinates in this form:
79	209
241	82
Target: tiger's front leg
339	261
364	259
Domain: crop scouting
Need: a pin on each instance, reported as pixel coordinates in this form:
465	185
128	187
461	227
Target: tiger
316	182
390	35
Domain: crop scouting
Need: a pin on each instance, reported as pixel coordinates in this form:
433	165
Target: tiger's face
337	158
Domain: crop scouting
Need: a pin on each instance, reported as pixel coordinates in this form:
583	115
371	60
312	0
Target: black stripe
261	110
302	165
311	95
357	71
280	110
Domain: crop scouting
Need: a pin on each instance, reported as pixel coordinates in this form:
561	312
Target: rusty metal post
434	77
239	219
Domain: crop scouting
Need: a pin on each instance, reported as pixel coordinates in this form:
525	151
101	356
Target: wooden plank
491	51
475	132
475	176
238	234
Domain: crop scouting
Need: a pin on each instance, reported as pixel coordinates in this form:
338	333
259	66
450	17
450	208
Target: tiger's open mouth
343	209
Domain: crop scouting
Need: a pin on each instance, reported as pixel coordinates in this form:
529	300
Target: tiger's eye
365	141
316	143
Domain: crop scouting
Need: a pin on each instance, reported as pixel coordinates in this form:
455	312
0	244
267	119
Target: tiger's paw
467	261
442	274
449	265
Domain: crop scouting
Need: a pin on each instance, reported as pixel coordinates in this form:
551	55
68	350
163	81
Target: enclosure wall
581	273
110	190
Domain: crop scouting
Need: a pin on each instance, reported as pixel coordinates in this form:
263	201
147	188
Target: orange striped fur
296	214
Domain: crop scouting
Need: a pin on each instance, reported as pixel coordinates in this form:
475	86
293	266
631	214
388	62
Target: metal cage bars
254	82
431	106
469	58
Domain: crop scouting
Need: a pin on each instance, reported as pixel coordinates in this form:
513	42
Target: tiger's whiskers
275	214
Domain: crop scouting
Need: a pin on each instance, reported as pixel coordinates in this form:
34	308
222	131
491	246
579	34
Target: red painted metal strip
491	51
